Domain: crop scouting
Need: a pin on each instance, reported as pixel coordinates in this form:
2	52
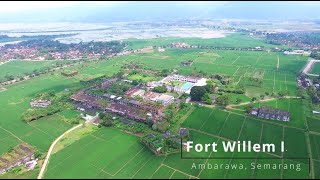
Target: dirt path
308	67
230	106
236	60
46	161
2	63
278	64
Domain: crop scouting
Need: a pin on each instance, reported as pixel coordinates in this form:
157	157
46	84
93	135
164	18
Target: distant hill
169	10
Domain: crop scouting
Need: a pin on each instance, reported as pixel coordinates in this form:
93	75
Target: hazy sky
101	11
16	6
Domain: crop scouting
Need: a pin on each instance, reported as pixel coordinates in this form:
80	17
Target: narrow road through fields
308	67
45	163
278	64
2	63
230	106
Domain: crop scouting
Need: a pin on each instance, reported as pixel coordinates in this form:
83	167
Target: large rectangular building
270	113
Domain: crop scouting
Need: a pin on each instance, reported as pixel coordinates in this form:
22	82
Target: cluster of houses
160	49
187	63
40	103
180	45
137	103
128	105
70	74
266	112
156	145
132	108
164	99
18	52
185	87
23	154
297	52
303	81
33	53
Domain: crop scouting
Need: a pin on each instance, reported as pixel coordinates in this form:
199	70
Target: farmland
231	40
111	153
291	105
315	69
239	65
20	68
129	159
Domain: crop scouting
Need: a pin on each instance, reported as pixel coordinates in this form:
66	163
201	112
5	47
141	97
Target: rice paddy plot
241	71
315	146
197	118
251	131
313	124
7	142
293	106
163	173
90	153
241	168
315	68
179	175
149	168
215	122
267	168
273	134
296	169
295	144
232	127
20	68
316	167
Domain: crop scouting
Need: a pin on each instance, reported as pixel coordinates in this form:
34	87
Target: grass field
19	68
16	99
240	65
315	69
129	159
293	106
110	153
313	124
231	40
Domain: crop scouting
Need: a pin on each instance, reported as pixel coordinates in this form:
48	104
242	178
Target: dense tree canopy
197	92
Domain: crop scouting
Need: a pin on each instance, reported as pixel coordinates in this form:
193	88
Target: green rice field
111	153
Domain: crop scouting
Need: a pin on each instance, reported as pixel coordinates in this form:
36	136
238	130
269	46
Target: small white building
31	164
40	103
315	112
160	49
